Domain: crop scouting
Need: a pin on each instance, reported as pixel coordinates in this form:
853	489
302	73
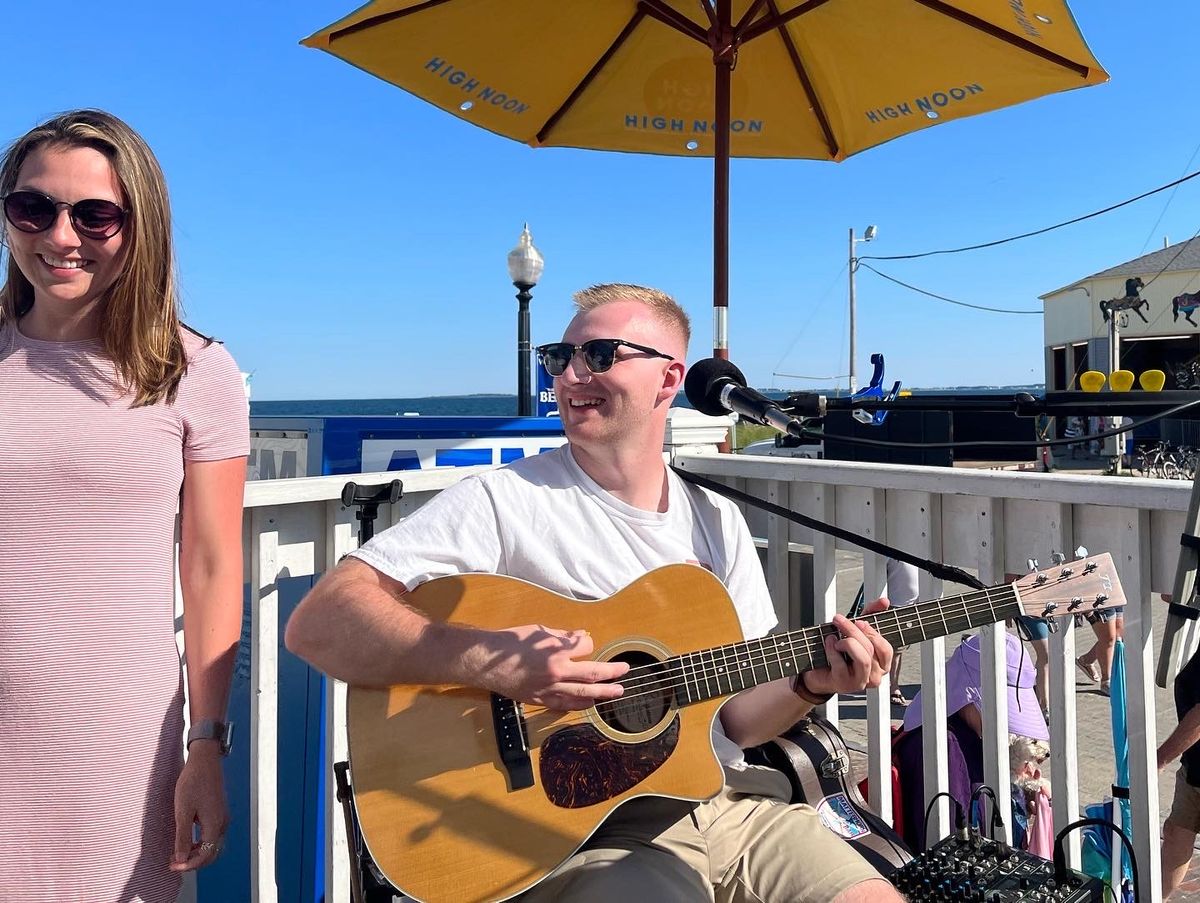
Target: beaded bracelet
800	688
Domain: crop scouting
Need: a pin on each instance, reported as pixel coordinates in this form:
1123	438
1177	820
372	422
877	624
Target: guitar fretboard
724	670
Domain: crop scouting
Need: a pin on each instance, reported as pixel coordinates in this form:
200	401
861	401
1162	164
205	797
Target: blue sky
345	239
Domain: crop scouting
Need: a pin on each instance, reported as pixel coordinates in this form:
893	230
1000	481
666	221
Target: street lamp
525	266
867	236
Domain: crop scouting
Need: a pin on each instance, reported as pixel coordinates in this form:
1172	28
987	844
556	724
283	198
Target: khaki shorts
1185	808
734	849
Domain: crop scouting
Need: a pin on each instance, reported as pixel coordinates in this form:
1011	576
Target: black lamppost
525	266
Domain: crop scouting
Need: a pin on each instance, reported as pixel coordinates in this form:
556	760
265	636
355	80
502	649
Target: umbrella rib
750	13
633	23
1000	34
383	19
672	17
806	82
780	19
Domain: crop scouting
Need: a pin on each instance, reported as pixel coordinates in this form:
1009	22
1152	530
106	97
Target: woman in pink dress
114	419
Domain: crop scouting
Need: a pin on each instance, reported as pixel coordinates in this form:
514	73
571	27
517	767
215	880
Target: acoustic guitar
464	795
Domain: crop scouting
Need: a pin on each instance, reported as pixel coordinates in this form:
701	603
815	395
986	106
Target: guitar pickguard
580	766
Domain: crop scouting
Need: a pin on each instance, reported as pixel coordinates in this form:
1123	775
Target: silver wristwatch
221	731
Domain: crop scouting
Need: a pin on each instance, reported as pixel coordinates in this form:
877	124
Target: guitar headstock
1071	587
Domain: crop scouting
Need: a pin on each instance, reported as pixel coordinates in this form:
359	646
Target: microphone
715	387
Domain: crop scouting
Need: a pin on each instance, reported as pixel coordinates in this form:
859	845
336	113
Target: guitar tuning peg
1057	558
1032	564
1080	552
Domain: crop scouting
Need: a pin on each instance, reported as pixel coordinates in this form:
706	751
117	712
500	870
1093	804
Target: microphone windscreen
701	387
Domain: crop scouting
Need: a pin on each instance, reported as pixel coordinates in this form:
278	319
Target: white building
1154	336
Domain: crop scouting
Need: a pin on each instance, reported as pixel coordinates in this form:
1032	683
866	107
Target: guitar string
972	604
663	679
667	679
805	640
926	613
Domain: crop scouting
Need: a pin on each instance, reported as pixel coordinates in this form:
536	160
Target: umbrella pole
721	39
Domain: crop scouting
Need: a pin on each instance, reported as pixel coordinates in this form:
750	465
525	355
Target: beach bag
1096	849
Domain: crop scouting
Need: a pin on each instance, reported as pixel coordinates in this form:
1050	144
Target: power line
1167	205
1070	222
921	291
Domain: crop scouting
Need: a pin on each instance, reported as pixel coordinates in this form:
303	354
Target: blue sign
547	403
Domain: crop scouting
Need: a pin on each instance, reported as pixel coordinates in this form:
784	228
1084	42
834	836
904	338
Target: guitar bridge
835	766
509	724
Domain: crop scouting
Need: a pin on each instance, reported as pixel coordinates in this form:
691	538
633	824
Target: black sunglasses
32	211
598	354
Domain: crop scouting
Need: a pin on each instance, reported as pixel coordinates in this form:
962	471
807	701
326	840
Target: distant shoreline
483	404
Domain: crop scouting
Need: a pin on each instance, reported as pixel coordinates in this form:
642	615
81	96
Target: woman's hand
200	800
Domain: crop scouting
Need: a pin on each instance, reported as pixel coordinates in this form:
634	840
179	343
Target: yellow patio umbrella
815	79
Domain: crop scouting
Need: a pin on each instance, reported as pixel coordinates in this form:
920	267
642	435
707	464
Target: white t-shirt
544	520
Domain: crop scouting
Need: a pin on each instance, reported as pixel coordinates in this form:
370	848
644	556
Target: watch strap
221	731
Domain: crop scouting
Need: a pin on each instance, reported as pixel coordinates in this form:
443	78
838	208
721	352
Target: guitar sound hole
647	699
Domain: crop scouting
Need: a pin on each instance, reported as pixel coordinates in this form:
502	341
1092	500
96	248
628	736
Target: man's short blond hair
665	308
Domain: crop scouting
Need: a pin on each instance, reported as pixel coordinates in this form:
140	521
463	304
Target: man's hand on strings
858	656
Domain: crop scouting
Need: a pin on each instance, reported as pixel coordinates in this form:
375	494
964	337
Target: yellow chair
1091	381
1120	380
1152	380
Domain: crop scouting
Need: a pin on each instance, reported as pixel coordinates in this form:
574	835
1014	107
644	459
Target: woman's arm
210	573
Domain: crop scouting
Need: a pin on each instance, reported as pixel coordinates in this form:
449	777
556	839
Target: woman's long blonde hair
140	315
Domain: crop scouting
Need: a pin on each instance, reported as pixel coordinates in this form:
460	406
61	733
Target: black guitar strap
936	568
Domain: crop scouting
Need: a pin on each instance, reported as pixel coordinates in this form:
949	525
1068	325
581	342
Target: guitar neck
724	670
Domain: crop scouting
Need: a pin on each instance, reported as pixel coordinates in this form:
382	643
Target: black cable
1070	222
1060	856
1182	248
985	443
960	821
997	822
921	291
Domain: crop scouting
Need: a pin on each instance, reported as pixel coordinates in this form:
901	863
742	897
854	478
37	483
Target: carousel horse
1185	304
1132	301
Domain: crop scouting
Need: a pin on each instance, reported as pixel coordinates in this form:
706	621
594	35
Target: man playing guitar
584	521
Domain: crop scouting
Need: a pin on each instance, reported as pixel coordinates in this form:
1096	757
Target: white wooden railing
991	522
988	521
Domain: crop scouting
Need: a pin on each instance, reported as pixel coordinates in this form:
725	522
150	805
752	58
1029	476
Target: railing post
993	665
264	702
339	539
1132	558
778	553
818	500
928	544
879	706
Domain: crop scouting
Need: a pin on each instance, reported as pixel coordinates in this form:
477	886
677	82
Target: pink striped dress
91	695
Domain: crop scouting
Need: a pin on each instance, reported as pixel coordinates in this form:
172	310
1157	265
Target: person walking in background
1183	822
902	589
1037	631
113	417
1096	663
1073	430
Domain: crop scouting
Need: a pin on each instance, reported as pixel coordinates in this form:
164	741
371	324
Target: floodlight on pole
868	235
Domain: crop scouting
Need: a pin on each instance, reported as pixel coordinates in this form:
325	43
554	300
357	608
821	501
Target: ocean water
439	405
484	405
